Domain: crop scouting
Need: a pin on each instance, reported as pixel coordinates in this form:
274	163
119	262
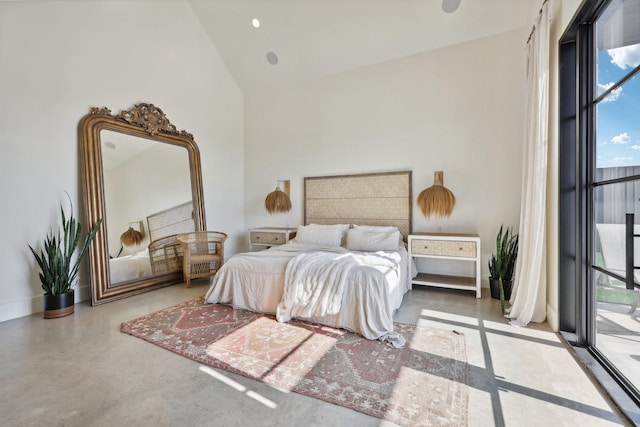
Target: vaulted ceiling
316	38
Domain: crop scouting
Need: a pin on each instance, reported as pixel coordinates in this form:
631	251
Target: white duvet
130	267
358	291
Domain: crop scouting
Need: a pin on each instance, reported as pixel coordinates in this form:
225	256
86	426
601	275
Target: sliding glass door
615	193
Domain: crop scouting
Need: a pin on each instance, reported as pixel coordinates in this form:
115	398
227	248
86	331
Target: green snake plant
502	264
58	268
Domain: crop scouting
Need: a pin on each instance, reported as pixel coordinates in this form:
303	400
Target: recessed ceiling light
272	58
450	6
255	23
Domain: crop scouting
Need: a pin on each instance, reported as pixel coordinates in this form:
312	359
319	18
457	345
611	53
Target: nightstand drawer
452	248
265	237
268	238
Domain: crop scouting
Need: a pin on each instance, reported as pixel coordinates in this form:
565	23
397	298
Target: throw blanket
315	283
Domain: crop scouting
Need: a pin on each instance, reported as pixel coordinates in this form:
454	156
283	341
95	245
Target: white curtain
529	296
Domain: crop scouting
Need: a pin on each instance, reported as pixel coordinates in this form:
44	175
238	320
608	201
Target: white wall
59	58
458	109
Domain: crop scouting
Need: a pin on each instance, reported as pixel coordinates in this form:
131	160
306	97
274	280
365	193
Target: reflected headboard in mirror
175	220
135	164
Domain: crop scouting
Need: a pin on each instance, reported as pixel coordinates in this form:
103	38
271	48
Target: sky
618	126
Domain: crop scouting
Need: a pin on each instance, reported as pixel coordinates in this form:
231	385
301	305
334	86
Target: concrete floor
618	338
80	370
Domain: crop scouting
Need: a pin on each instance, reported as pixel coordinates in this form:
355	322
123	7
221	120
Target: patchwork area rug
422	384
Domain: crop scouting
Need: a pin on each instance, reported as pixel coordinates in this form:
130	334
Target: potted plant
58	268
502	265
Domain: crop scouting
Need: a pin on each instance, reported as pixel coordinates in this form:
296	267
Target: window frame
577	129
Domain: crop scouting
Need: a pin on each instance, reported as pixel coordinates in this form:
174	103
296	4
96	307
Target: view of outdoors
618	135
617	155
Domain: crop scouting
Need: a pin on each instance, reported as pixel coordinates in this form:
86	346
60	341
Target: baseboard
33	305
20	308
83	293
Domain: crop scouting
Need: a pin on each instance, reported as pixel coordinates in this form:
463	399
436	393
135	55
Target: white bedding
130	267
370	286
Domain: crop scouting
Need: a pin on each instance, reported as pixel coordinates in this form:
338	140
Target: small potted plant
502	265
58	268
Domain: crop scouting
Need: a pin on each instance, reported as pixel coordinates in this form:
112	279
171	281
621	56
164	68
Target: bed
164	254
347	266
130	267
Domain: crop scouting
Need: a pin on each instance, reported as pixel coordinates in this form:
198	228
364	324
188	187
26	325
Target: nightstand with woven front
455	247
265	237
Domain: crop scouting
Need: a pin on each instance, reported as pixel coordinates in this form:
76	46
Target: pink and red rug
422	384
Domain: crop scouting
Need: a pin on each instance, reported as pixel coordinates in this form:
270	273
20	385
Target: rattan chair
203	253
165	255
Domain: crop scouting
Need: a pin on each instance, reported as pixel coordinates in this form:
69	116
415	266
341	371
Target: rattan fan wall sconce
279	201
133	237
436	200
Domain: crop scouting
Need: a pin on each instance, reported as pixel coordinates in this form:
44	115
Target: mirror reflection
142	177
143	180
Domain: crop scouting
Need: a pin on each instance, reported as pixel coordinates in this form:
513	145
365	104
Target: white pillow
142	254
131	250
360	239
342	227
324	235
378	228
381	229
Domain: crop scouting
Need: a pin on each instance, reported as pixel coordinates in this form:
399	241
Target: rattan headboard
178	219
366	199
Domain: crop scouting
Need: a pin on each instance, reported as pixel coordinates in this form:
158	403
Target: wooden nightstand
460	247
265	237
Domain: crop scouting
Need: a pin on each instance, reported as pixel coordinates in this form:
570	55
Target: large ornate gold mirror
142	176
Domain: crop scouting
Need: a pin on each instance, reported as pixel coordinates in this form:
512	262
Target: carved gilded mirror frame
145	121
